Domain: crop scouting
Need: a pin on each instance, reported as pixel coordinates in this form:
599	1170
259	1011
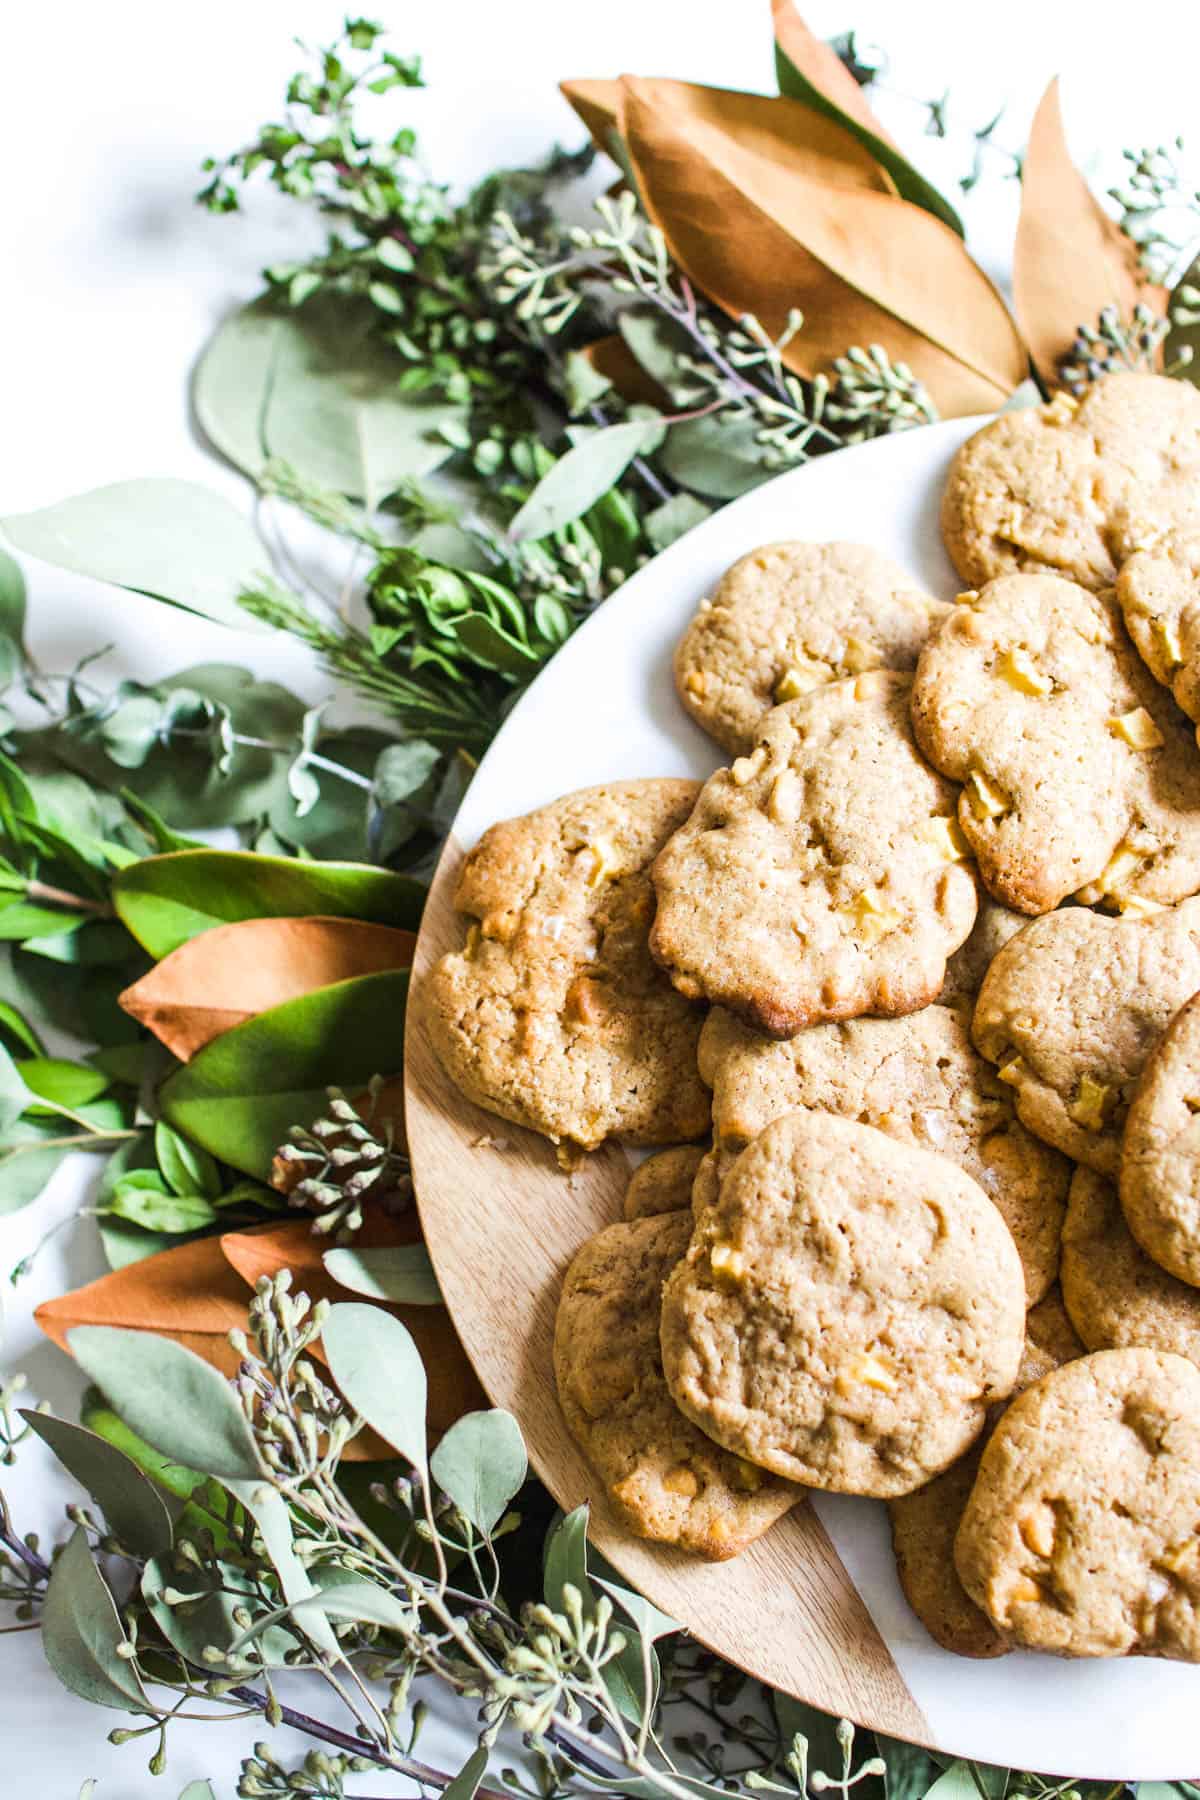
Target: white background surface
112	281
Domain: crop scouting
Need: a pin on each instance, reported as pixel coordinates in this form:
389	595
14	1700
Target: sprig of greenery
1160	209
341	1162
1112	344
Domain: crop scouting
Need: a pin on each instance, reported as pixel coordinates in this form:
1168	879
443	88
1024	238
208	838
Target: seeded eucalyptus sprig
341	1162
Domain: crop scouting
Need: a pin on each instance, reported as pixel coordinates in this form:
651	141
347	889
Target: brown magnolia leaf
189	1293
790	136
821	64
228	974
1071	259
453	1385
758	234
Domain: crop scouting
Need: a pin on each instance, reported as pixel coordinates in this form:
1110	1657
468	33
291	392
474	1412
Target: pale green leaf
173	540
674	518
718	457
957	1783
481	1463
82	1632
185	1167
131	1504
378	1368
402	1273
233	381
651	1623
170	1397
580	478
466	1783
269	1511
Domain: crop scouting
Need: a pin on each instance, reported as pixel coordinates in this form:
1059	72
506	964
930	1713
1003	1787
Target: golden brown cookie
847	1310
1160	1152
1075	486
554	1014
790	617
1050	1333
994	925
925	1523
666	1480
821	876
1159	593
921	1081
1079	775
1071	1008
1114	1293
1080	1533
663	1183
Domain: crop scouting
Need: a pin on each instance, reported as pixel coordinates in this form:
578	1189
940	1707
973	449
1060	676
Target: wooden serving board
502	1223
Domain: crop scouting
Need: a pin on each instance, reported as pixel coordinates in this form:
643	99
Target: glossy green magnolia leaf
174	540
167	900
185	1167
578	479
401	1272
335	412
170	1397
481	1463
131	1504
82	1633
910	183
240	1095
379	1370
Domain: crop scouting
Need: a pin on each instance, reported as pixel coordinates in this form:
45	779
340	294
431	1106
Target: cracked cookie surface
1114	1293
1071	1008
847	1309
920	1080
665	1478
822	876
554	1015
1075	486
1160	1152
789	617
1080	1533
1080	777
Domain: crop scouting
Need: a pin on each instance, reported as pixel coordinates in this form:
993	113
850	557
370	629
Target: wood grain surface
502	1222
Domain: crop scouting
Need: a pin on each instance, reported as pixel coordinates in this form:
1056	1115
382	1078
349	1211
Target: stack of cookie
908	989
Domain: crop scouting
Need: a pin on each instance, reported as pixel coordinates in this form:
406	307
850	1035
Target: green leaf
173	540
131	1504
378	1368
124	1243
674	519
466	1783
651	1623
98	1417
82	1632
12	618
335	413
198	1790
208	1619
566	1563
657	344
270	1513
62	1085
142	1199
494	647
242	1093
16	1028
186	1168
170	1397
22	919
402	770
402	1273
14	1095
715	456
232	382
578	479
910	183
957	1783
583	383
27	1162
909	1771
167	900
351	1597
481	1463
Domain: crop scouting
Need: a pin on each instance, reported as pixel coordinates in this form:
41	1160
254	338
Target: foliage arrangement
467	421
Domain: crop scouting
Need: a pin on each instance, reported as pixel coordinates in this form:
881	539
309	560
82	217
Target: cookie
1075	486
1079	774
554	1014
663	1183
847	1310
1158	591
1049	1331
790	617
920	1080
667	1481
1160	1152
994	925
821	876
1115	1295
1071	1008
1080	1533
